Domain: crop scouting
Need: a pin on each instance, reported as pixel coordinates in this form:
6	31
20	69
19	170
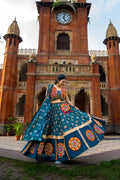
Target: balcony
81	70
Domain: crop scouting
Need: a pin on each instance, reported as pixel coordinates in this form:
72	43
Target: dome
13	28
111	31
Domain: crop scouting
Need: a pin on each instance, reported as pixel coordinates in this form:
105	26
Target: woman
59	131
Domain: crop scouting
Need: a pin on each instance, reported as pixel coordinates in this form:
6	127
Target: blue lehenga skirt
66	133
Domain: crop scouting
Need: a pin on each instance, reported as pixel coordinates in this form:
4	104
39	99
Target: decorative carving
32	58
93	59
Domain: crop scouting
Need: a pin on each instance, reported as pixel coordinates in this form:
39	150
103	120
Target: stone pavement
108	149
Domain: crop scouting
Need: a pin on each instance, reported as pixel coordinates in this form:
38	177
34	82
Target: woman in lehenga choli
59	131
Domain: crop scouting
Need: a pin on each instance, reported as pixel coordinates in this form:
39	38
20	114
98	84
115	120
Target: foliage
18	127
9	125
105	170
57	3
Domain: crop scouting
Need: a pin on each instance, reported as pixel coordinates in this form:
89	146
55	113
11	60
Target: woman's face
62	82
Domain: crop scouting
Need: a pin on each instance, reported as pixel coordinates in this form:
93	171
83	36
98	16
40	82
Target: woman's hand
76	107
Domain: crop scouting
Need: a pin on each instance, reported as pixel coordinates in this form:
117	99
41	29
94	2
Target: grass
105	170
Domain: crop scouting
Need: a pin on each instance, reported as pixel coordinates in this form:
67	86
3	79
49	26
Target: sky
25	12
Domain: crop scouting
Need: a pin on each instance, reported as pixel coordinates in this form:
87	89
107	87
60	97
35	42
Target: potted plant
9	125
9	128
18	127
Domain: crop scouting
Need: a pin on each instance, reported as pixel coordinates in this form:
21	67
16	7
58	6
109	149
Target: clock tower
63	32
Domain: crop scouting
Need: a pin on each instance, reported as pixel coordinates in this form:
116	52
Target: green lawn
104	171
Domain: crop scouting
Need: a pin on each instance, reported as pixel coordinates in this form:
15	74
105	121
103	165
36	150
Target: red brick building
93	80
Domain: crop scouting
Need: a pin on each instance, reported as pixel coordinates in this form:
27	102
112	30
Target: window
63	42
114	44
10	42
23	72
14	43
109	45
102	74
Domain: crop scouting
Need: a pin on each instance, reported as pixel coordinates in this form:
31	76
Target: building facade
93	77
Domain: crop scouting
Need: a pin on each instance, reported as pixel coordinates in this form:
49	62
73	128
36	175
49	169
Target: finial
15	19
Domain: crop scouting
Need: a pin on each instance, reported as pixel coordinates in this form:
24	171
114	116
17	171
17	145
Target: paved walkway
106	150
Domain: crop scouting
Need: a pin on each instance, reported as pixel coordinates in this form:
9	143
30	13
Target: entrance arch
20	106
82	101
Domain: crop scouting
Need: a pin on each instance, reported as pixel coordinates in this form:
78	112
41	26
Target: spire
111	31
13	28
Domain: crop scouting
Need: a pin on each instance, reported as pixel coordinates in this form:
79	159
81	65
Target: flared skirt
68	132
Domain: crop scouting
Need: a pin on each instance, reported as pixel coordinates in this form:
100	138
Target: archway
41	96
82	101
20	107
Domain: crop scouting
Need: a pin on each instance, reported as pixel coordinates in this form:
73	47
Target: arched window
82	101
102	74
109	45
63	42
114	44
14	43
10	42
22	75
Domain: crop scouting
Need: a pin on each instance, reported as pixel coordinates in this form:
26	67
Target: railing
27	51
68	69
103	85
20	119
91	52
22	85
98	52
106	118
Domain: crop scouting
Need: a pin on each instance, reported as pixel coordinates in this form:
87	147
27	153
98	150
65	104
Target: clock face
63	17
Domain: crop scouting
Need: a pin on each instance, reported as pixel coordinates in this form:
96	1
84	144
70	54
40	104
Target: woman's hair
59	78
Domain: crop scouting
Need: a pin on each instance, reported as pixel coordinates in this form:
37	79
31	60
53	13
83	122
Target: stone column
91	105
30	89
96	90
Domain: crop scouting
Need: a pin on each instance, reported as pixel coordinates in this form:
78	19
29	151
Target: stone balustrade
22	85
20	119
106	118
103	85
27	51
68	69
31	51
98	52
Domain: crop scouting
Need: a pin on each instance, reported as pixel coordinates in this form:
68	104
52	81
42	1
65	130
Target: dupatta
35	129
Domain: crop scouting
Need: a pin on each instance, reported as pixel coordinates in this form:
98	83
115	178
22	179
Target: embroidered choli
56	94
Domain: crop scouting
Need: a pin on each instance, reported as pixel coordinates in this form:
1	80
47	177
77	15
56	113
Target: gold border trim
67	132
84	139
27	147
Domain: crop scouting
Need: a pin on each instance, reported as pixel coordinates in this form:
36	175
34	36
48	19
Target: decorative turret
113	72
112	40
111	34
9	73
111	31
13	31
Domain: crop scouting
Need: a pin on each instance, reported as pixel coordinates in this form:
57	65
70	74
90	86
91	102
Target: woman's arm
69	102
